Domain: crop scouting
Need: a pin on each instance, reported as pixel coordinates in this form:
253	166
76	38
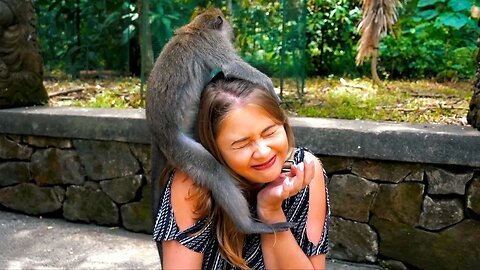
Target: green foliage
332	35
439	36
166	16
76	35
97	35
258	33
431	36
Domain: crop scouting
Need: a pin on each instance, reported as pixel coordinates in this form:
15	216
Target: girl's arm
175	255
281	250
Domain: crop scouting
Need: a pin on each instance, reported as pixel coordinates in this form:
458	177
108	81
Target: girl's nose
261	148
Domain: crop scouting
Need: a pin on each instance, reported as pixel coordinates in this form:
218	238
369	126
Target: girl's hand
270	198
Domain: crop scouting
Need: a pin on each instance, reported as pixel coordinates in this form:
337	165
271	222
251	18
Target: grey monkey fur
179	75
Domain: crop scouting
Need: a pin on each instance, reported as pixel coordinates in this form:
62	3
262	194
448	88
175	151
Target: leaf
425	3
99	5
167	23
127	34
428	14
460	5
455	20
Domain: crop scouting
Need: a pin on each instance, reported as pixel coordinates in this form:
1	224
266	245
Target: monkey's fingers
283	226
262	228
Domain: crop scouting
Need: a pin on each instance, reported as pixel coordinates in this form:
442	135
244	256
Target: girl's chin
269	178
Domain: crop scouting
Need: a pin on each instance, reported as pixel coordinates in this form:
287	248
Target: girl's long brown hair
218	99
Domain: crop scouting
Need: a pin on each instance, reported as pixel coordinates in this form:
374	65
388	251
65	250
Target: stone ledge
425	143
125	125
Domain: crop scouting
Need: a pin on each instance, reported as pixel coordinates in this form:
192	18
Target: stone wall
99	182
404	215
403	196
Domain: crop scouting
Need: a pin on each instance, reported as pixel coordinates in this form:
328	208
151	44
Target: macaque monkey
180	73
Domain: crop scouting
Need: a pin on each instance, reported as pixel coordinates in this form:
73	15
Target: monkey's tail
192	158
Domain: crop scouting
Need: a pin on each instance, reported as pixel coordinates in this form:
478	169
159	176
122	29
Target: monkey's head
213	18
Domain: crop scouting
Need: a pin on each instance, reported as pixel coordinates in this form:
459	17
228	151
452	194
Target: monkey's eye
218	22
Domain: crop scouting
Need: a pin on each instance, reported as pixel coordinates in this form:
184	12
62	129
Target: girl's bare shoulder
183	203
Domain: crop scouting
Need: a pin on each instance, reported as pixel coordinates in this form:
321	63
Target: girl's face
253	144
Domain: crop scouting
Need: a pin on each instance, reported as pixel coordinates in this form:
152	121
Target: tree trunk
473	116
145	36
21	66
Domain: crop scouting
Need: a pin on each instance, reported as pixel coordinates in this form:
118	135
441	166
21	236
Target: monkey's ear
218	22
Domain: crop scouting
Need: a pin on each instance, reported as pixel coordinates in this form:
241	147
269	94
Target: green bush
431	37
438	37
332	36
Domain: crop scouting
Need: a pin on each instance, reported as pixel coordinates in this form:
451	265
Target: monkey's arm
242	70
233	66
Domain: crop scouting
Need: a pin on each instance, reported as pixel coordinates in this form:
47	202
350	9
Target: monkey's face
213	18
253	144
228	31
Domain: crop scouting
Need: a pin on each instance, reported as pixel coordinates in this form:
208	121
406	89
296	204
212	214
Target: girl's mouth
265	165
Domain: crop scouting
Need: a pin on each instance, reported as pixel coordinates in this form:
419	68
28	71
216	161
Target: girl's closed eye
270	132
240	144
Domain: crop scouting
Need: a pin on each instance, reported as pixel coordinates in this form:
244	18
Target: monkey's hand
270	198
242	70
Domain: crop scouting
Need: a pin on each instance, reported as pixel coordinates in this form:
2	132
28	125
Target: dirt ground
413	101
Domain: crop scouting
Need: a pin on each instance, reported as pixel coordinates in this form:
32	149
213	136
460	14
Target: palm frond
378	17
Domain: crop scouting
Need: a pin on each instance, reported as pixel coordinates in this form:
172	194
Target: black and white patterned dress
201	236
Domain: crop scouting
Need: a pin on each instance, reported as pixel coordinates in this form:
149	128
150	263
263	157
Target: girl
244	128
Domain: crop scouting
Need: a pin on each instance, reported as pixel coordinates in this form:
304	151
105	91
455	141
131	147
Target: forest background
427	59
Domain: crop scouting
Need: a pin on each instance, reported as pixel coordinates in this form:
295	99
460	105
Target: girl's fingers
309	162
295	179
300	176
288	187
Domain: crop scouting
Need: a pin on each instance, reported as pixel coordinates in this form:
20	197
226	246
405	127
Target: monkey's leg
158	162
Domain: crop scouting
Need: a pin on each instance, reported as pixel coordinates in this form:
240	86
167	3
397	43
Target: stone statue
21	67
